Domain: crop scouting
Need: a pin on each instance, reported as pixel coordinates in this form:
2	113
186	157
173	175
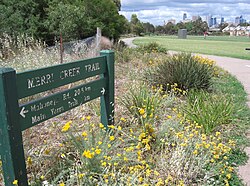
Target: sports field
213	45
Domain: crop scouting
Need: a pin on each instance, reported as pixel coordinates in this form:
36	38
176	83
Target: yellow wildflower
141	111
169	117
195	152
98	151
66	126
84	134
62	184
15	182
228	176
88	154
29	161
101	125
81	175
111	138
111	126
123	119
217	133
63	156
88	117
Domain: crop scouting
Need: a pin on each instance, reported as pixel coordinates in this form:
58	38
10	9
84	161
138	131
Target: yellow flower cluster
66	127
204	60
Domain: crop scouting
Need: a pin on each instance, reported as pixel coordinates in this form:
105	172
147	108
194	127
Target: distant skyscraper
184	16
208	20
237	20
214	21
222	20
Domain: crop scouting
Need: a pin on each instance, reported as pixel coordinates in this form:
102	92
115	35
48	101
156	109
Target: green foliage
139	101
136	25
182	69
151	47
208	110
123	54
75	19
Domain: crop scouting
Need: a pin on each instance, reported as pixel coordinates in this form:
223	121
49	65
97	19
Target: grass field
213	45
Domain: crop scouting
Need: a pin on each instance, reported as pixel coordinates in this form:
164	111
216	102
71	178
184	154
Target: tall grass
208	110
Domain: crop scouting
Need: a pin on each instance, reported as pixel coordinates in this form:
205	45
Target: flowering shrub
187	71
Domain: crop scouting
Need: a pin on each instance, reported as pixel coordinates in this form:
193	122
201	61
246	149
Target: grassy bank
213	45
156	140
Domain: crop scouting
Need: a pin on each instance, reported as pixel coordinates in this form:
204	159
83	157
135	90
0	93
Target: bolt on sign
15	117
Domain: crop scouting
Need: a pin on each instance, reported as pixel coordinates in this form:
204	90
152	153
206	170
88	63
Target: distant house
237	30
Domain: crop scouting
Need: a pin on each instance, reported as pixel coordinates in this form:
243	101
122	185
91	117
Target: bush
208	110
183	69
142	103
152	47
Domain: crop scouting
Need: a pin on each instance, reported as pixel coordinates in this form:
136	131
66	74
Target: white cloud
156	11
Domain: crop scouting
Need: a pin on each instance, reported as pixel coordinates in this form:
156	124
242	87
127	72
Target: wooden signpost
15	118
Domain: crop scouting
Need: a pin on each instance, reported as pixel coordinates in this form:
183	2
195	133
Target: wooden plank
40	80
43	109
11	143
107	101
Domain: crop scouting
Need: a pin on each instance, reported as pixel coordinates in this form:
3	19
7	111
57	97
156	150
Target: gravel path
241	69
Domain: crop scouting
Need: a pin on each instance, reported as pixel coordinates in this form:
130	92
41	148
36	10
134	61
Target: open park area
230	46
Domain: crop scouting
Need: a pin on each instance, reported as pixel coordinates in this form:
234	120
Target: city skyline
158	11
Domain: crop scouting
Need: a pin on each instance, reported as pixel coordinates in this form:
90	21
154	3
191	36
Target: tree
148	27
136	25
45	19
118	4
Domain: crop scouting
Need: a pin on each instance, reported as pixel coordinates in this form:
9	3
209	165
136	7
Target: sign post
15	118
12	154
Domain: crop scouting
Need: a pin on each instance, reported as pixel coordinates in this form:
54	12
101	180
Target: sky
158	11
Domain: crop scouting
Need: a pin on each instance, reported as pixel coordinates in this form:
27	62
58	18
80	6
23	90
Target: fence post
12	154
98	40
107	100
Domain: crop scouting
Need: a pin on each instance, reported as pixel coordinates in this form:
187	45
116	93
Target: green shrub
152	47
208	110
182	69
141	102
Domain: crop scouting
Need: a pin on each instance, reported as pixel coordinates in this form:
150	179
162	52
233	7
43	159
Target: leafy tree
118	4
170	28
148	27
136	25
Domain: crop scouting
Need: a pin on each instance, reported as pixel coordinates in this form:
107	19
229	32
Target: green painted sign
16	117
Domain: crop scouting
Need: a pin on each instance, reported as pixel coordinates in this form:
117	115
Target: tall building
222	20
184	16
208	20
237	20
214	22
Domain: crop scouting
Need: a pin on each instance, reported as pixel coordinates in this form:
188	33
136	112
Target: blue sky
158	11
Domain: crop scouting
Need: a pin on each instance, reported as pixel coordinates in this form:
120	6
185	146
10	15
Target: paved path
241	69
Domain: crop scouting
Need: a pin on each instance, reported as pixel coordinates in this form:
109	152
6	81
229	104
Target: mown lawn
213	45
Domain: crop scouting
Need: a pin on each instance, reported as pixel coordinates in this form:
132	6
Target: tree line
197	27
74	19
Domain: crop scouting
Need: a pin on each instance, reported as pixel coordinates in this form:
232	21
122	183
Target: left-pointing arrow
23	112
